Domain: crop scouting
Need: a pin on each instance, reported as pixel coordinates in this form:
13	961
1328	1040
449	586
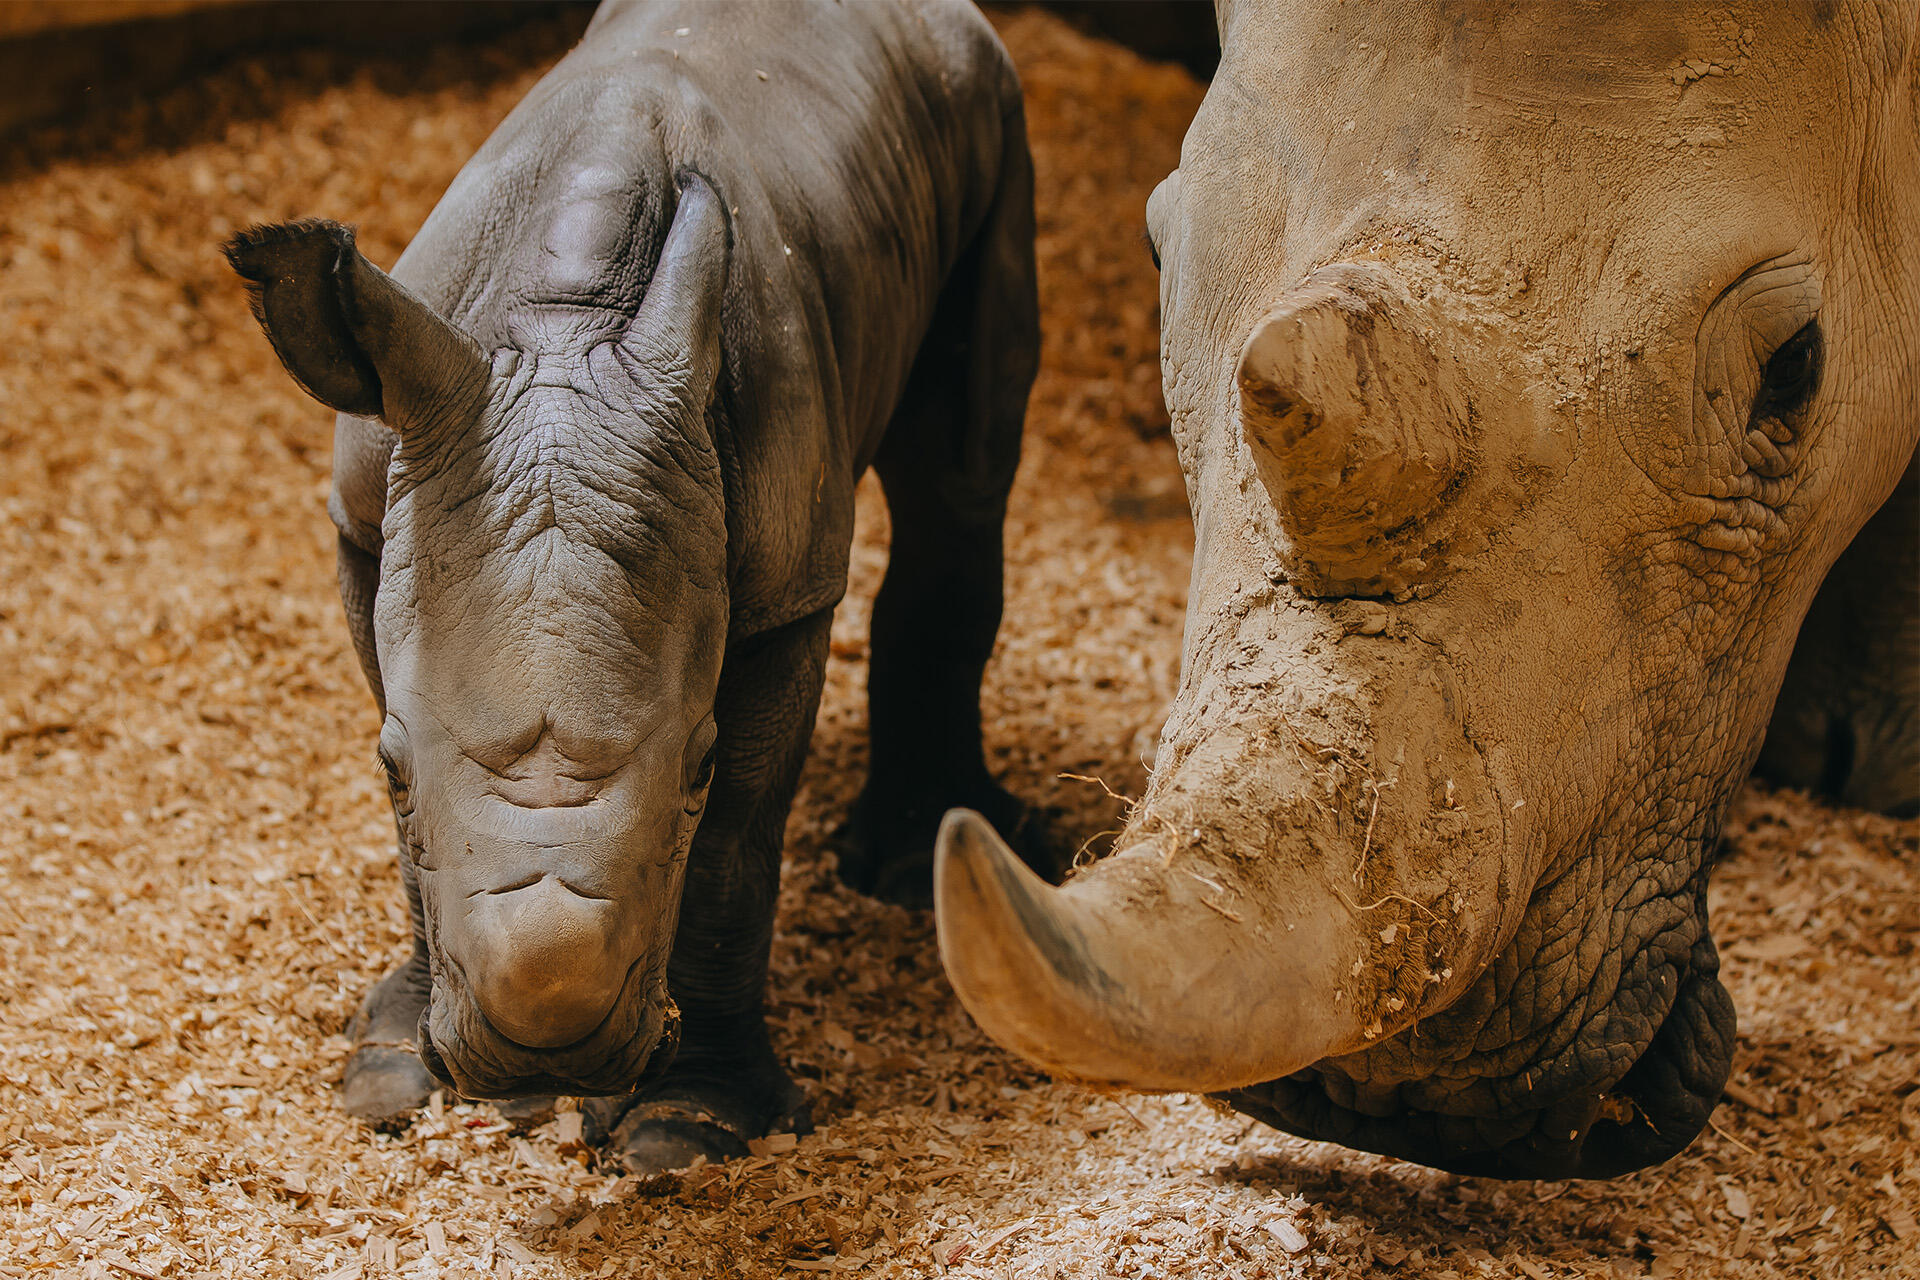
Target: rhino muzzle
540	986
630	1047
543	961
1274	900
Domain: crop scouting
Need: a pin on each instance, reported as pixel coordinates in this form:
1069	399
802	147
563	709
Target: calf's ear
352	336
675	335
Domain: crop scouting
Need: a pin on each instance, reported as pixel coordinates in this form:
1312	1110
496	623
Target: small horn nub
1129	975
1355	422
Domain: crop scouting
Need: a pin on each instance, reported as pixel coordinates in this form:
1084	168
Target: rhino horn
1134	974
673	343
1355	421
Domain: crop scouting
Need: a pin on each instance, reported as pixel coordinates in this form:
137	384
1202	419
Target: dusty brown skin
1530	372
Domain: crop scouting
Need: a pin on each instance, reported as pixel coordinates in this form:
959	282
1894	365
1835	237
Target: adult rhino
594	477
1531	365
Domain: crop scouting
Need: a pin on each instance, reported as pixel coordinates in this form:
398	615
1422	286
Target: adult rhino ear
352	336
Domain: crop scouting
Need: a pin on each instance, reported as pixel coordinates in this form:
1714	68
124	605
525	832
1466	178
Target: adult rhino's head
1529	364
550	620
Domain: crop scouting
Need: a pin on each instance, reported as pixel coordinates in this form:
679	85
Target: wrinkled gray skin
1532	366
594	477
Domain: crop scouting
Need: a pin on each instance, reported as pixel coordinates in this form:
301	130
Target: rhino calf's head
549	623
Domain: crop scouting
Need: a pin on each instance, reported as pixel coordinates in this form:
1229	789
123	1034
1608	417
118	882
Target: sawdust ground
196	860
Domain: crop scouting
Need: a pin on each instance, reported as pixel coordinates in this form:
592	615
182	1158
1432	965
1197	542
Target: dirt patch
198	865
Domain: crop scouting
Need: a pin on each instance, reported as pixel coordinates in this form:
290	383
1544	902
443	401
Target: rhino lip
499	1056
429	1051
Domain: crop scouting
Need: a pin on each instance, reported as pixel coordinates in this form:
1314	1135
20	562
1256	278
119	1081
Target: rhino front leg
1847	723
385	1083
725	1085
934	622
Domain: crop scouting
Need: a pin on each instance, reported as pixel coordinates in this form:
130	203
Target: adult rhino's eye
1791	376
700	767
1153	250
703	775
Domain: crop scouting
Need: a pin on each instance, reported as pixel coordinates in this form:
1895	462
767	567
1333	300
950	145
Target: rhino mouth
632	1046
1597	1127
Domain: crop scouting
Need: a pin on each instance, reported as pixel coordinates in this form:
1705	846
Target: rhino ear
675	336
352	336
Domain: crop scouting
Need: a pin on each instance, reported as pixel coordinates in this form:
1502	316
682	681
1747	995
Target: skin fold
595	461
1532	366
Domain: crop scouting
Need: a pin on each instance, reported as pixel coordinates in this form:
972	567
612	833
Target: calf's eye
1791	376
397	787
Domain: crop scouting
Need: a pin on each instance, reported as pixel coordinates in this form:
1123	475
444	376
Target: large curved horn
1138	974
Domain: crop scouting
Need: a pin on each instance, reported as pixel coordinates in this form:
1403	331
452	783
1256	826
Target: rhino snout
542	961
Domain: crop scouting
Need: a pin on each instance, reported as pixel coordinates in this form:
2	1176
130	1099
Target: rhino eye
1791	376
397	788
702	776
1153	250
699	768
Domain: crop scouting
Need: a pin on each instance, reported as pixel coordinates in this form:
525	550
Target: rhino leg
1847	723
946	465
933	628
725	1085
385	1083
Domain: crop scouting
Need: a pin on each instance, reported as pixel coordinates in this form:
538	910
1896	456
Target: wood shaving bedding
198	869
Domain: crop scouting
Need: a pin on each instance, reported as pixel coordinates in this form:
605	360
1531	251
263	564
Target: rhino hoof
385	1085
662	1134
906	882
886	846
650	1144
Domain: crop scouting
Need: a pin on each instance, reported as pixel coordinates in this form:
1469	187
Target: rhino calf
1531	365
594	470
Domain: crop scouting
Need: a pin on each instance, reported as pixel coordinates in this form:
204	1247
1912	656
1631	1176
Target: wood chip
1291	1238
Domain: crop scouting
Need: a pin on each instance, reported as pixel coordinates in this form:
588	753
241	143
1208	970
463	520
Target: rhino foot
886	846
679	1123
385	1082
